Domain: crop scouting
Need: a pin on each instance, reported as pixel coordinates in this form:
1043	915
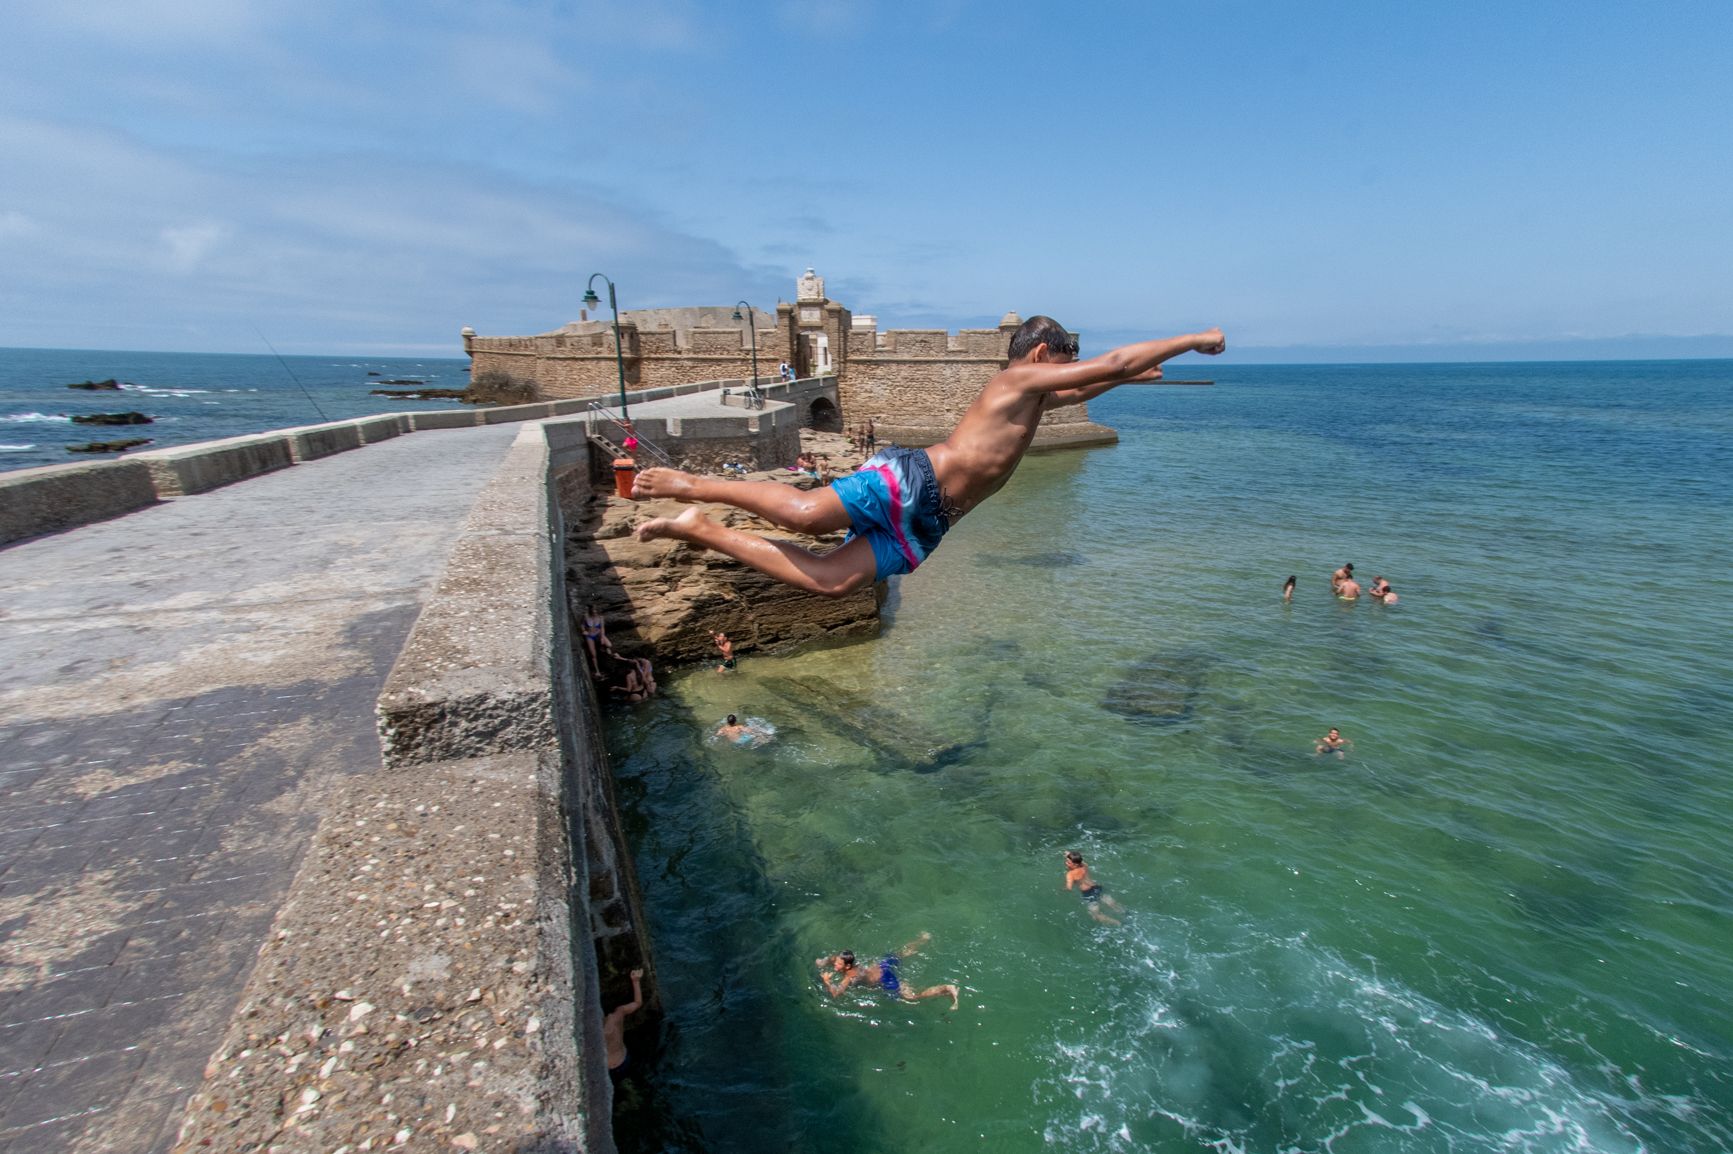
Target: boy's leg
932	992
833	574
815	512
915	945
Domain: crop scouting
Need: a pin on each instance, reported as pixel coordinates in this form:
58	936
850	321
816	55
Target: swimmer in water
732	730
1288	589
1077	874
1348	590
1334	742
1381	591
840	971
1345	573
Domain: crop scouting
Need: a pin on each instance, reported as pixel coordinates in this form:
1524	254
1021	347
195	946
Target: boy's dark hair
1039	330
1072	855
1290	580
731	720
847	958
1348	568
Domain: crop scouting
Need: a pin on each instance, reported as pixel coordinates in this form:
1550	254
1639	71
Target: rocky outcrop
108	446
665	599
132	417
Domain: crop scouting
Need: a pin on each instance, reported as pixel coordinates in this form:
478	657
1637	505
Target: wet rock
110	385
420	394
108	446
127	418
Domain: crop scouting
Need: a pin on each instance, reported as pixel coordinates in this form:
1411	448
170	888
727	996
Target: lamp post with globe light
592	300
752	329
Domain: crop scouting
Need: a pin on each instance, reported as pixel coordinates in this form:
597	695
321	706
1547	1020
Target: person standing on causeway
901	502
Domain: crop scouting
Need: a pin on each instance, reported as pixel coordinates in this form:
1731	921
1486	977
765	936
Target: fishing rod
292	375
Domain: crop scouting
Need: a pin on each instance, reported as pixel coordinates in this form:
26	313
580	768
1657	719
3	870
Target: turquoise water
192	396
1502	923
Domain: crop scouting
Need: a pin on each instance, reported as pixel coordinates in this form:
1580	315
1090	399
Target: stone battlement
912	383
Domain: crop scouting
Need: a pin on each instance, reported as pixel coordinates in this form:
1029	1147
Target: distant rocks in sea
111	385
127	418
404	381
422	394
108	446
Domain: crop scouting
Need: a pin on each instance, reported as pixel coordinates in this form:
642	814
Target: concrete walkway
176	686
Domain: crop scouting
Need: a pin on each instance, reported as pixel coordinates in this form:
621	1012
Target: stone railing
433	979
58	497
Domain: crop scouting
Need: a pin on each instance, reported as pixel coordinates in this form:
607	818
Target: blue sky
1325	181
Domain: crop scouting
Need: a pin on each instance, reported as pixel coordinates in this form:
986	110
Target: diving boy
901	502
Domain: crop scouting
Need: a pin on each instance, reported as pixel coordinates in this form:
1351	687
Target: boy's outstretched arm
1139	362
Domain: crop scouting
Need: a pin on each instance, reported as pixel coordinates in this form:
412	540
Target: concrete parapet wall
199	468
382	428
443	419
315	441
56	497
432	980
505	414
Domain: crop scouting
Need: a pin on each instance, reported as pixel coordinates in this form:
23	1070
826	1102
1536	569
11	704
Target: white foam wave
149	391
1333	1050
15	448
36	418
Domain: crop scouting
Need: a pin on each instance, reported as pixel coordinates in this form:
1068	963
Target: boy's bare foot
669	484
680	526
952	990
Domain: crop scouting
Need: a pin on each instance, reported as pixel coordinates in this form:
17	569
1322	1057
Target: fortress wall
561	375
916	391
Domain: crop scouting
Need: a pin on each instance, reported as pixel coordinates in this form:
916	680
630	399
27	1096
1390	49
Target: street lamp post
753	330
592	300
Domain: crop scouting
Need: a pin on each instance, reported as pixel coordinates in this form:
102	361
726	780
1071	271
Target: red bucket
625	472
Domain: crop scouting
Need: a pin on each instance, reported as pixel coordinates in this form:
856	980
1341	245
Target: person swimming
1077	874
1288	589
1334	742
754	731
838	972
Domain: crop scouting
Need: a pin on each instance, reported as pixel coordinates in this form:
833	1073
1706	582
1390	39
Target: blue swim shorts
888	979
893	501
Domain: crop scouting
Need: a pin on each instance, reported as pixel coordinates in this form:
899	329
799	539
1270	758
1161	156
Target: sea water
1503	922
193	396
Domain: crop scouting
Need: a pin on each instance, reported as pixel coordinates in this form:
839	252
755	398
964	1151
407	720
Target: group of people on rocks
629	679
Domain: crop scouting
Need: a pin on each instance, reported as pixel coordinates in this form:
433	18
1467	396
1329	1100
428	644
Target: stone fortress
913	384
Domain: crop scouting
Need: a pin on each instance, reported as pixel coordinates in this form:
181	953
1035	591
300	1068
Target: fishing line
292	375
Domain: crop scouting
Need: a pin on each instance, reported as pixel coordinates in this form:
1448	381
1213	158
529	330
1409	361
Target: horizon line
1508	353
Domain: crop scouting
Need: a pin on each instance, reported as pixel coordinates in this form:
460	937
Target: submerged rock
1161	689
129	418
110	385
